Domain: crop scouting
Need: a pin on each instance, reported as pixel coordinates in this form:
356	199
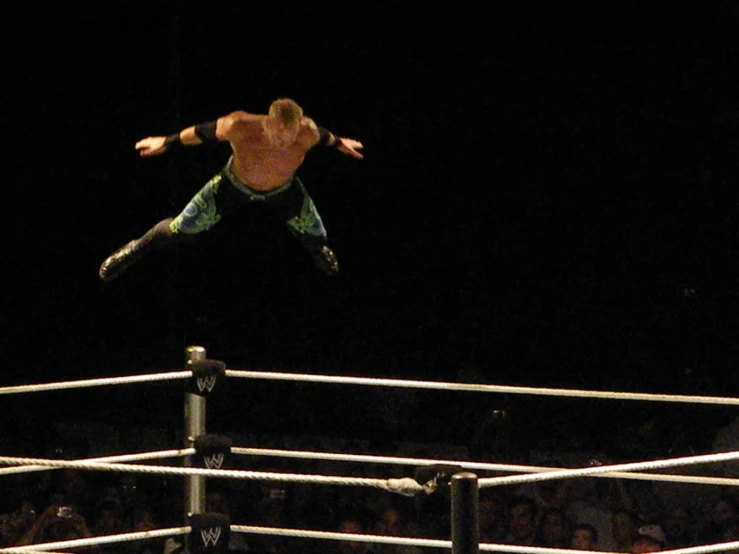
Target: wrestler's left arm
324	137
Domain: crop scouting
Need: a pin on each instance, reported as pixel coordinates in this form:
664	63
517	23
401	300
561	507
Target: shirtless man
267	150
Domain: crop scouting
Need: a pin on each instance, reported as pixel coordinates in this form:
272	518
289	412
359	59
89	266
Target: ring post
194	427
465	514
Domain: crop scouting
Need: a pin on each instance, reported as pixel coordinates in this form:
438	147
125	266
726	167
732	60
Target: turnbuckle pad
209	533
206	374
211	451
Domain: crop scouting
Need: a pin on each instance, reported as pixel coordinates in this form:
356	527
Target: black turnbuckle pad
209	533
206	374
437	476
211	451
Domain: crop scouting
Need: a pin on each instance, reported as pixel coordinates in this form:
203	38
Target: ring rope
399	383
86	383
328	535
720	547
433	543
438	385
589	471
405	486
15	550
108	539
122	458
329	456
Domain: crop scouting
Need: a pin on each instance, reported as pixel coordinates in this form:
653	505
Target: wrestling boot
120	260
123	258
325	260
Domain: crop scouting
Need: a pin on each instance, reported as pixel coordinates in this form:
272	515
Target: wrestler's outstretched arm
350	147
344	145
190	136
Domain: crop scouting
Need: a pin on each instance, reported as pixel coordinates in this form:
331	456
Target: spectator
680	528
584	537
649	538
554	529
56	523
492	523
521	522
393	522
15	524
625	529
724	522
353	525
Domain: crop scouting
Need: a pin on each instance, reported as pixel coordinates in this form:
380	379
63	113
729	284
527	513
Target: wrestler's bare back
258	163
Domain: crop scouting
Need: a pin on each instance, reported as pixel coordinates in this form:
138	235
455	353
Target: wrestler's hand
151	146
350	146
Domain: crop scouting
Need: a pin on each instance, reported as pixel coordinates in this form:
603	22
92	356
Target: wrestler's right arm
221	129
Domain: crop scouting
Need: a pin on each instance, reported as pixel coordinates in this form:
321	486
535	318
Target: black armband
172	142
324	136
206	131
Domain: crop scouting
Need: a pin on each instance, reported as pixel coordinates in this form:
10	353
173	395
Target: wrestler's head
282	123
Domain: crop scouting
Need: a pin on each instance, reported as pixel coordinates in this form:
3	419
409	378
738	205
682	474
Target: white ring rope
399	383
328	535
329	456
109	539
433	543
405	486
86	383
438	385
589	471
720	547
121	458
15	550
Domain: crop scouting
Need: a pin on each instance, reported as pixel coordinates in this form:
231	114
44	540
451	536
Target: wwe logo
213	462
206	383
210	536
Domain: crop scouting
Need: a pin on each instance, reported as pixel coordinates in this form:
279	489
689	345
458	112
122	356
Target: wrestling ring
208	532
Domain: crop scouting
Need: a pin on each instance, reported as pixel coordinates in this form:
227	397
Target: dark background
549	198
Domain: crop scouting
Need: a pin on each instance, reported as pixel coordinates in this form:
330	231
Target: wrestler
267	150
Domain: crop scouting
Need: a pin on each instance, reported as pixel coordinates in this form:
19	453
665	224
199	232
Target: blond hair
287	112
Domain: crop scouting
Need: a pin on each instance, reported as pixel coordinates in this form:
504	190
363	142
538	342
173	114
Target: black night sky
549	197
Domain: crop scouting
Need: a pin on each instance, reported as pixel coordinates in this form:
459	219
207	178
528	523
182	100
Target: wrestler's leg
200	214
299	212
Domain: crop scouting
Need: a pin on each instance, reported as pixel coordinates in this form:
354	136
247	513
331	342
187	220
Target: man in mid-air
267	150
